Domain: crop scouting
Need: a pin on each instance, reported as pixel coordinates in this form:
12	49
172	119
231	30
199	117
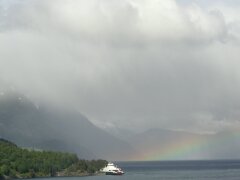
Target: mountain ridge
27	125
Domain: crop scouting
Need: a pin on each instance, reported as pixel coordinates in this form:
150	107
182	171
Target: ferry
112	169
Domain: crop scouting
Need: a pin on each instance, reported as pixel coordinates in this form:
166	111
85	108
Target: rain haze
127	64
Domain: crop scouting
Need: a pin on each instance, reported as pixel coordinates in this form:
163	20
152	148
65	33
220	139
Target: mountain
162	144
120	133
52	128
64	129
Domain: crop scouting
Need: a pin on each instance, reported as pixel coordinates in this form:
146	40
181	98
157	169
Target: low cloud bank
139	64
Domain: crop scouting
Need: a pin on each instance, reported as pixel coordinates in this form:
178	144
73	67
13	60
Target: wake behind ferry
112	169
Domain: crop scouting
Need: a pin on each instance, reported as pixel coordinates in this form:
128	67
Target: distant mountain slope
161	144
56	129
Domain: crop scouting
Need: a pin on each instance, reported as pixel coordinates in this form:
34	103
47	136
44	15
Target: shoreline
57	176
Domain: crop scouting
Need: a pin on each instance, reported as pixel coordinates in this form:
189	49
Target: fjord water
174	170
181	170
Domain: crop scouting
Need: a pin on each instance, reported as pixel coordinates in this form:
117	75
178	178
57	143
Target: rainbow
186	148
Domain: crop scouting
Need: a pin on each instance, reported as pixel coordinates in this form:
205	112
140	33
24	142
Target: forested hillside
17	162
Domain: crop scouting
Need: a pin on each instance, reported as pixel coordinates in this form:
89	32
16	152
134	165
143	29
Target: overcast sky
135	64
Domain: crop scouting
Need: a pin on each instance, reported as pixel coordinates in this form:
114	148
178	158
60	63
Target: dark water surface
174	170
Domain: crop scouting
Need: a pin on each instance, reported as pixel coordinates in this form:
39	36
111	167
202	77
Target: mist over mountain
53	128
128	65
139	63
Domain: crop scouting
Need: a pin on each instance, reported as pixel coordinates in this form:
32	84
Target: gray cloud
138	64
